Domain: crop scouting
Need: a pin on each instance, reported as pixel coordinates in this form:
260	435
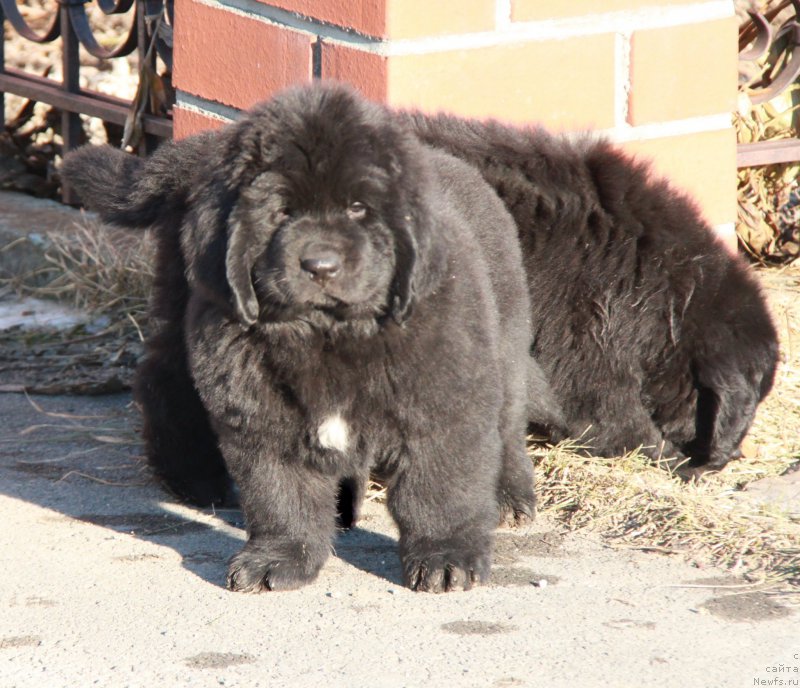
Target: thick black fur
333	298
651	333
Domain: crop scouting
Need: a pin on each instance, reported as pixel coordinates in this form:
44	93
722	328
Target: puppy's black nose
321	268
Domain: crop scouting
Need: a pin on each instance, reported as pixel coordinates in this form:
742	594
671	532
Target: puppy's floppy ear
419	248
257	213
240	258
419	257
405	268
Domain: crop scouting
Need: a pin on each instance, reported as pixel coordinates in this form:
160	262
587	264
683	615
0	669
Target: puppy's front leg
290	515
443	498
289	505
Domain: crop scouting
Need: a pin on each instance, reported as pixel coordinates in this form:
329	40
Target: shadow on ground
81	458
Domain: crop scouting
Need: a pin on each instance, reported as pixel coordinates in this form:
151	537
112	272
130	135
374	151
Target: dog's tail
129	191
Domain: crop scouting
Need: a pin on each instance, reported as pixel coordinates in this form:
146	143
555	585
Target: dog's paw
270	566
517	506
517	514
445	566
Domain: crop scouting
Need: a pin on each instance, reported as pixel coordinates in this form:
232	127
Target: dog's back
651	332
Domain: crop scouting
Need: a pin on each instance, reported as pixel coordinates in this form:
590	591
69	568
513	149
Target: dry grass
97	269
630	501
776	431
634	503
102	271
110	435
768	195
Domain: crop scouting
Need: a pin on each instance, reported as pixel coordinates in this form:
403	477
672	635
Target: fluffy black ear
405	268
419	252
257	212
240	258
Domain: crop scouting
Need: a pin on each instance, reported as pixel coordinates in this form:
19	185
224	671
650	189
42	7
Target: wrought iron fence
769	57
150	34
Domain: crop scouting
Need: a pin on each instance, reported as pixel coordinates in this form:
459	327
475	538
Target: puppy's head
329	215
289	253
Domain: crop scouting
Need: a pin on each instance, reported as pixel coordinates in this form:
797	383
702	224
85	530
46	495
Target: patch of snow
34	314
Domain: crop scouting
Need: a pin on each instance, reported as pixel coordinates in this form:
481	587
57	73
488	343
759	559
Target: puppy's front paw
274	566
446	566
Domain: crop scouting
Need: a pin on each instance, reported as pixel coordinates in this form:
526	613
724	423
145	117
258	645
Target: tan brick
415	18
536	10
365	71
683	71
550	82
187	122
365	16
240	62
704	165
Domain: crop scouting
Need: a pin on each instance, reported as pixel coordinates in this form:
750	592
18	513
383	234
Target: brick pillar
658	76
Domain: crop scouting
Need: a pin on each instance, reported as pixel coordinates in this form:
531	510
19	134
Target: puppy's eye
357	211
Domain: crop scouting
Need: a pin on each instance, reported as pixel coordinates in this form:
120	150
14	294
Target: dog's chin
287	300
323	311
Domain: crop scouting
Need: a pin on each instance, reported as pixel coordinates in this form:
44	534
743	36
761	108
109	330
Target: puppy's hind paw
512	516
517	507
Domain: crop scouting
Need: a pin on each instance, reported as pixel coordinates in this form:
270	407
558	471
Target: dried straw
710	521
100	270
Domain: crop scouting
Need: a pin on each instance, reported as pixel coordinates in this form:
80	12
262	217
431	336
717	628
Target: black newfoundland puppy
653	336
334	298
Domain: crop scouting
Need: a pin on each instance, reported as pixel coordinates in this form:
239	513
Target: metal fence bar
99	105
71	24
767	152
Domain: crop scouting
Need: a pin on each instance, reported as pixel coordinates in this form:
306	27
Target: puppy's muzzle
322	267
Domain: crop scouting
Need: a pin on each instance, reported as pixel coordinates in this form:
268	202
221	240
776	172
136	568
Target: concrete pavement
108	582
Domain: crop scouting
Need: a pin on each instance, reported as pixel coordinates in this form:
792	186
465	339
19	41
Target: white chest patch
333	433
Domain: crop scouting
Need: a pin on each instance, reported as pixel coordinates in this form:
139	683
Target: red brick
550	82
365	71
704	165
240	62
365	16
683	71
188	122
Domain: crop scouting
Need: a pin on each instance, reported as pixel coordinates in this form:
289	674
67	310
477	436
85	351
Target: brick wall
658	76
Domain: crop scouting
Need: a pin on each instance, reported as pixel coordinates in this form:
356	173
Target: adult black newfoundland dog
334	298
650	332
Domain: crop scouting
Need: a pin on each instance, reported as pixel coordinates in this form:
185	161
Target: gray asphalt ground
109	582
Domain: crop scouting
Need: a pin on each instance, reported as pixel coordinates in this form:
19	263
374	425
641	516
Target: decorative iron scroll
769	63
761	38
147	118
